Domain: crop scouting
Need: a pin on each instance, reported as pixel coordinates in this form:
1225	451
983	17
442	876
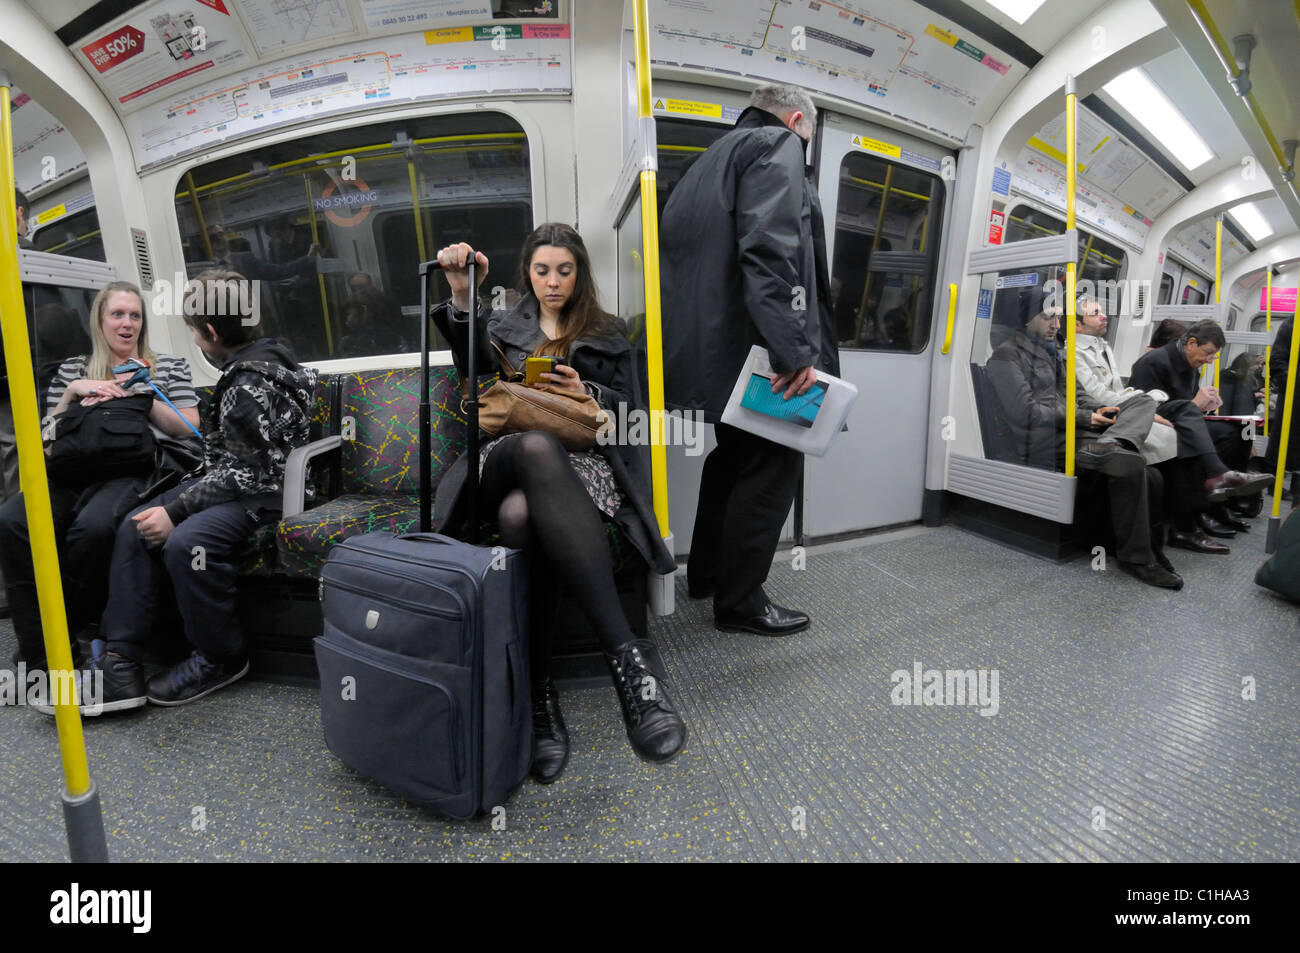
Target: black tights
543	507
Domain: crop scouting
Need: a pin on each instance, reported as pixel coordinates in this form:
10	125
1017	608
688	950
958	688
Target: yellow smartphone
534	367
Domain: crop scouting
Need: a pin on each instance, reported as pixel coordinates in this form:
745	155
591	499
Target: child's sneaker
110	683
193	678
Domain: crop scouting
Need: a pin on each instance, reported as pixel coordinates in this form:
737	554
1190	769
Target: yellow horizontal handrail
1229	61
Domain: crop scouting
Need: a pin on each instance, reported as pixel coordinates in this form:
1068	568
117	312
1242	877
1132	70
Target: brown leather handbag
511	406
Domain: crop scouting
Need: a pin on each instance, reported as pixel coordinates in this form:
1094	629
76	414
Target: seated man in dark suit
1027	373
1202	445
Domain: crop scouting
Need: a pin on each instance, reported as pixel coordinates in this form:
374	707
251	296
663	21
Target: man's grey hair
780	101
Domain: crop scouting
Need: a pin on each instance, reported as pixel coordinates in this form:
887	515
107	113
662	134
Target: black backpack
102	442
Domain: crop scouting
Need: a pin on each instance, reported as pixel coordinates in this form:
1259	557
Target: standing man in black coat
743	257
1278	364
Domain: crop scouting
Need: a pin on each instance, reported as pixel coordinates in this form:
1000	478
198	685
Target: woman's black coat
611	365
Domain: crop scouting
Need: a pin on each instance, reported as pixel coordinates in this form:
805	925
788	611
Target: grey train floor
1113	698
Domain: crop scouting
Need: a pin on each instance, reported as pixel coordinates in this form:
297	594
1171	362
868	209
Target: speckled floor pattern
1121	733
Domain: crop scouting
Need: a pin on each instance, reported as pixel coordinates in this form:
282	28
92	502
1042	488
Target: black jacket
260	412
614	371
1279	357
742	236
1030	385
1166	369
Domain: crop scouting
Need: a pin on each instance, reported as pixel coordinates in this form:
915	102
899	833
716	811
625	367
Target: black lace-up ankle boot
550	736
654	729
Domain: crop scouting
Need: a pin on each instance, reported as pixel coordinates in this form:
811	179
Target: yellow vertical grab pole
198	213
419	218
1071	275
1268	326
1284	435
81	813
650	266
1218	277
320	279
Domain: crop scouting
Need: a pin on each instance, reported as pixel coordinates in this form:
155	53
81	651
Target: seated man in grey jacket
1027	373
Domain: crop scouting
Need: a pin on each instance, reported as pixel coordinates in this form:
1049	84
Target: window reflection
75	235
887	224
335	231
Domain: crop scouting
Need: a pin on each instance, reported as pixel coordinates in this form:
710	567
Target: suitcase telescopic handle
470	403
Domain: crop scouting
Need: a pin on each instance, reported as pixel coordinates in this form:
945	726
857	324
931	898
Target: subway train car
985	676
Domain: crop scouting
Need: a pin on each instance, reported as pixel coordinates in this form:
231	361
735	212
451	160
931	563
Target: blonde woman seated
88	509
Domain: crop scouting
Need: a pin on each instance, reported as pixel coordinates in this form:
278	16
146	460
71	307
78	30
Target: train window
1241	378
1014	356
1101	264
58	322
75	235
1166	289
1193	295
334	229
887	225
680	143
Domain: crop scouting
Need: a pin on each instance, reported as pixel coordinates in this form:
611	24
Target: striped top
171	374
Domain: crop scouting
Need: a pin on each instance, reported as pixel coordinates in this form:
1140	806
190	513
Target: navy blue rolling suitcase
424	657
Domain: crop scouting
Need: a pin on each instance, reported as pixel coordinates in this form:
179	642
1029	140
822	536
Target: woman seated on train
87	511
1239	387
551	502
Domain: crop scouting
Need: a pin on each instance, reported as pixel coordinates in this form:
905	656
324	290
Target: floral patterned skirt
592	469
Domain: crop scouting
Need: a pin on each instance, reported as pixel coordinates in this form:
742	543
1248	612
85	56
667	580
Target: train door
1194	288
1169	276
884	199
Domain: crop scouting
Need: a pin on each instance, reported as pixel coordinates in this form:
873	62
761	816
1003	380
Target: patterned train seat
378	469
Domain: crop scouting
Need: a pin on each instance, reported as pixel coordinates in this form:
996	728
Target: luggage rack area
1120	734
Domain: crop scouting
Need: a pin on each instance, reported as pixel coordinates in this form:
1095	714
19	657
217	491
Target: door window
888	219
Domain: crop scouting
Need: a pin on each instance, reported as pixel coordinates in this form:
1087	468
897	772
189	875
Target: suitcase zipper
453	710
403	603
393	601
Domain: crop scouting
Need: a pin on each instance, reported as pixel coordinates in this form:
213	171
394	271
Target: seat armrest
295	472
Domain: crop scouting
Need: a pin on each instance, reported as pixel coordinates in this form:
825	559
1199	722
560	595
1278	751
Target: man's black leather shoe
1212	527
1247	507
1153	574
550	735
1197	542
654	729
773	620
1228	516
1234	483
1163	560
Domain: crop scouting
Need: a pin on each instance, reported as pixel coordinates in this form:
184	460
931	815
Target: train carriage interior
325	149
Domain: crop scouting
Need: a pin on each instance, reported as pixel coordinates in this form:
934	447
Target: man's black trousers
746	492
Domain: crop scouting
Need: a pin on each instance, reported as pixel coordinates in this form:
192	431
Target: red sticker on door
996	220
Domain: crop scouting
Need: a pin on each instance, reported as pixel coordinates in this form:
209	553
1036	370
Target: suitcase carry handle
426	538
470	404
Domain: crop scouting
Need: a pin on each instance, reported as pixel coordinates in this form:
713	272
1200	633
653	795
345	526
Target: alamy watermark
37	688
634	427
242	297
946	687
133	908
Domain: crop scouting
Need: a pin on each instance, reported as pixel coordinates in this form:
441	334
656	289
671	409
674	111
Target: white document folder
803	426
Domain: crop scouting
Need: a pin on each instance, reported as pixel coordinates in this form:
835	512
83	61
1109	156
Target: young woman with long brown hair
550	501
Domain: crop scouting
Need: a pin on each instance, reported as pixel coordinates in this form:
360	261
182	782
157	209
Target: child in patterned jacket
259	413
